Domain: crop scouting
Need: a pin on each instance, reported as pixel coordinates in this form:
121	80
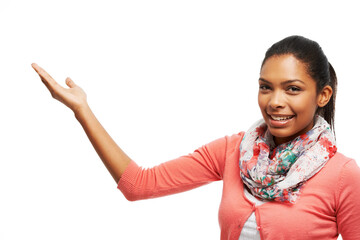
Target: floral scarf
278	173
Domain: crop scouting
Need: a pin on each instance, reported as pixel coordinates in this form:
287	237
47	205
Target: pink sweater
328	205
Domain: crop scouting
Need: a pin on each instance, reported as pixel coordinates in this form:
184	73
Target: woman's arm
74	97
110	153
204	165
348	196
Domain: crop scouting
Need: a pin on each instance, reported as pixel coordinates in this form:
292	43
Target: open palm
73	97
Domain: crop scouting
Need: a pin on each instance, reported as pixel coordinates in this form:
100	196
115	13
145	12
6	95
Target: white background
164	78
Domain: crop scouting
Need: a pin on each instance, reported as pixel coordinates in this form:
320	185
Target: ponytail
328	111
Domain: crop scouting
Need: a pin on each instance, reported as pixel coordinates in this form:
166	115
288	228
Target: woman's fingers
70	82
49	82
42	73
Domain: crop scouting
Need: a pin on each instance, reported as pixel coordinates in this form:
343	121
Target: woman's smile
280	120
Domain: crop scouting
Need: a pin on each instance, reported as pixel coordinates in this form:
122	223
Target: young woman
282	179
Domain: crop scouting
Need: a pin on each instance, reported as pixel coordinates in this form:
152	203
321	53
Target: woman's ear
324	96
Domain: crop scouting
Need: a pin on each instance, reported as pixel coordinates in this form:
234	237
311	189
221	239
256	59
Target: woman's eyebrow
264	80
283	83
292	80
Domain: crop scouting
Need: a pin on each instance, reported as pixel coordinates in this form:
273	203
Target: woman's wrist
81	112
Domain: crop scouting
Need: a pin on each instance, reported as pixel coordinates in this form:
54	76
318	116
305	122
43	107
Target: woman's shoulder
347	194
224	146
344	167
341	160
228	141
235	138
232	142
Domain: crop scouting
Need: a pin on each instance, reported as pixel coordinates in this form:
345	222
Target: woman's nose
277	100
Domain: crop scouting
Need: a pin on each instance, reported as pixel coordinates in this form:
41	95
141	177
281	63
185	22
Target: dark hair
318	67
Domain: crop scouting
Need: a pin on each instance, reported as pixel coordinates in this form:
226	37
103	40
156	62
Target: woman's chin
282	135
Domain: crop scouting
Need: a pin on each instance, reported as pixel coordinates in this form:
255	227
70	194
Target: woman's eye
264	87
294	89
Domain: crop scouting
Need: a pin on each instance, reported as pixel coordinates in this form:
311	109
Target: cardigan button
258	228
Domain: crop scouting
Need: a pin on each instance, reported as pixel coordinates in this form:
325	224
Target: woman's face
287	97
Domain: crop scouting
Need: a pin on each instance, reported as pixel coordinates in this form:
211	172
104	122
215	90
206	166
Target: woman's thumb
70	82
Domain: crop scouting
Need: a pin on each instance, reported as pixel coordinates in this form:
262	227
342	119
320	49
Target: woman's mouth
280	120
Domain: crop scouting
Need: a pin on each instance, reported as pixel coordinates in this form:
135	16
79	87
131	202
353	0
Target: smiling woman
285	165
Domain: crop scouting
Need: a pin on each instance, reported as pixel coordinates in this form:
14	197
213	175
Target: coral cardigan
328	204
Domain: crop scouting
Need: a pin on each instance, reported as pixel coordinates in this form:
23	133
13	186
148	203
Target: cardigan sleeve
348	211
204	165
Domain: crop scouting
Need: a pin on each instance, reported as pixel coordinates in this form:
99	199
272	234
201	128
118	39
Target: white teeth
280	118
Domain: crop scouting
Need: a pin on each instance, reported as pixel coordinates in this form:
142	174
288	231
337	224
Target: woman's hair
310	53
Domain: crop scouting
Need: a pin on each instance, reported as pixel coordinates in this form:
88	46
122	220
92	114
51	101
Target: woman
282	179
